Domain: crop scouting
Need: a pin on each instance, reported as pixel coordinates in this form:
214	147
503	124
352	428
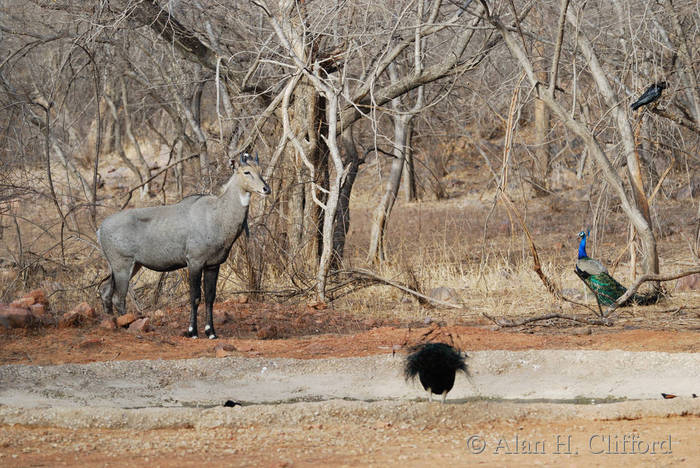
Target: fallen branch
388	282
643	279
516	323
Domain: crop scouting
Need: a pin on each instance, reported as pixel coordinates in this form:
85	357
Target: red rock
71	319
141	325
23	302
85	310
16	317
318	305
90	343
125	320
39	296
109	323
688	283
267	333
38	310
221	352
220	317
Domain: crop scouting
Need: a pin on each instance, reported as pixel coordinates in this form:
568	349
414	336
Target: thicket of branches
320	87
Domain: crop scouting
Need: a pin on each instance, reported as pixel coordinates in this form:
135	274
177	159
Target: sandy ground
93	397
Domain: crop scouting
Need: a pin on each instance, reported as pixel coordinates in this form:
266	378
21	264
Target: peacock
606	289
436	365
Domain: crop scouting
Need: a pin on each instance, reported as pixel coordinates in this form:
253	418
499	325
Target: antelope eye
246	172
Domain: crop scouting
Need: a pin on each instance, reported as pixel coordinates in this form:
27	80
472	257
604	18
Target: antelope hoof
213	336
191	333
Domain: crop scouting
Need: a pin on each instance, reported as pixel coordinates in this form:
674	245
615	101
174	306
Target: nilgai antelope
196	233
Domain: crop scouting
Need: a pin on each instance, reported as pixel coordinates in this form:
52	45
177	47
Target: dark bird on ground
435	364
652	93
606	289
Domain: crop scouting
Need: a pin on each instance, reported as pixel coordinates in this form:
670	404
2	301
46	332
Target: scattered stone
582	331
16	317
85	309
688	283
427	320
443	293
141	325
125	320
267	333
109	323
572	293
220	317
372	323
72	319
242	299
159	314
318	305
39	297
38	310
23	302
221	352
90	343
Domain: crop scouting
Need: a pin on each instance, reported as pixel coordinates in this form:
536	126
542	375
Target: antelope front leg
210	276
195	298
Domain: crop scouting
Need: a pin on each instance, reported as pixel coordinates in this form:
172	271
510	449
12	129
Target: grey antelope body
196	233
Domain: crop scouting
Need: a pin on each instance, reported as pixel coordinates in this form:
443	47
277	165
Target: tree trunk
377	251
342	218
409	170
540	175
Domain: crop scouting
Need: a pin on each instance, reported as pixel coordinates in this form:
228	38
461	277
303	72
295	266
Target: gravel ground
539	375
351	412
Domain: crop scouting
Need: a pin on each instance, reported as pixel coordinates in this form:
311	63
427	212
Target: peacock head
582	245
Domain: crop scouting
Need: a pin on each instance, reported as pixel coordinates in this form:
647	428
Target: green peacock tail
605	287
609	290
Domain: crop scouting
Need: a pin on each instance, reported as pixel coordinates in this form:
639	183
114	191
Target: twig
154	176
516	323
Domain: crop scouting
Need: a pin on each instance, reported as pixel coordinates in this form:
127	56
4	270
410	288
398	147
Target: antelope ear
232	163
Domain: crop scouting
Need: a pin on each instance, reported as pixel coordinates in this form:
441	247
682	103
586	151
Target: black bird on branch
435	364
652	93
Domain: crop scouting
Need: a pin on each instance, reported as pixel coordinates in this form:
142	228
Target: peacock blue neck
582	247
